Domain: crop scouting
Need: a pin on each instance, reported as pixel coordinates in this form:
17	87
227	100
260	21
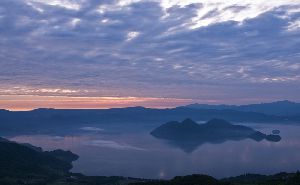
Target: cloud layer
234	51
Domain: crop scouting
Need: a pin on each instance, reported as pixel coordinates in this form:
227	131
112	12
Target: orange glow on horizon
30	102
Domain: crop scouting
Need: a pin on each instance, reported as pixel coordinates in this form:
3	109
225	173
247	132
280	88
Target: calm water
105	151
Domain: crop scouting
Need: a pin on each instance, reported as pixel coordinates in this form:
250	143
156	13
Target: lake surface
116	151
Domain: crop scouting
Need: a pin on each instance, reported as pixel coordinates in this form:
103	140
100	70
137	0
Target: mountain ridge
44	119
279	108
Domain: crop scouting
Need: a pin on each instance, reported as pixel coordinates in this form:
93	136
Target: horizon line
136	106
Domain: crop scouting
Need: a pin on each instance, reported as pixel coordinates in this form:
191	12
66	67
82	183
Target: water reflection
189	135
189	146
111	144
141	155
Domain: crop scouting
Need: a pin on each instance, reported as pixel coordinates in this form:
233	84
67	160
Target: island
276	132
188	134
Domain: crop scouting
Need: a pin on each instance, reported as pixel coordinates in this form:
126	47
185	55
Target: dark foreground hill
15	157
23	161
22	164
249	179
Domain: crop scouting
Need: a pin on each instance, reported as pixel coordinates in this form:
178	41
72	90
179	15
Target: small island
188	134
276	132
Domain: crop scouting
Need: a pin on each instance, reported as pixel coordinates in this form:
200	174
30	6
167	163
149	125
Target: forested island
215	130
189	135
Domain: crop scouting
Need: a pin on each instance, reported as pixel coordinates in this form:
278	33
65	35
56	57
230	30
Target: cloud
14	101
201	50
68	4
294	25
132	35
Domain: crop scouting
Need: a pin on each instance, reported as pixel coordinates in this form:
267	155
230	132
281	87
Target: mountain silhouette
46	121
279	108
188	135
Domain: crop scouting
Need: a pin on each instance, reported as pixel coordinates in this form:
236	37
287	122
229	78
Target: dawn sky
109	53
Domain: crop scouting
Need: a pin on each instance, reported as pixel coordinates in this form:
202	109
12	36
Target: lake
120	151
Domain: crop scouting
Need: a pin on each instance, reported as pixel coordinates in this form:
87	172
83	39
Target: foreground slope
23	160
25	164
248	179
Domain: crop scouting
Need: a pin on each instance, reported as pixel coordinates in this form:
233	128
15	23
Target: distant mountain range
45	120
279	108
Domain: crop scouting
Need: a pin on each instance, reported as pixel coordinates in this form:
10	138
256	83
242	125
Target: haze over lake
149	92
117	150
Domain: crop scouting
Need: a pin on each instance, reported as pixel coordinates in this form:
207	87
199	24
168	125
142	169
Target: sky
119	53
